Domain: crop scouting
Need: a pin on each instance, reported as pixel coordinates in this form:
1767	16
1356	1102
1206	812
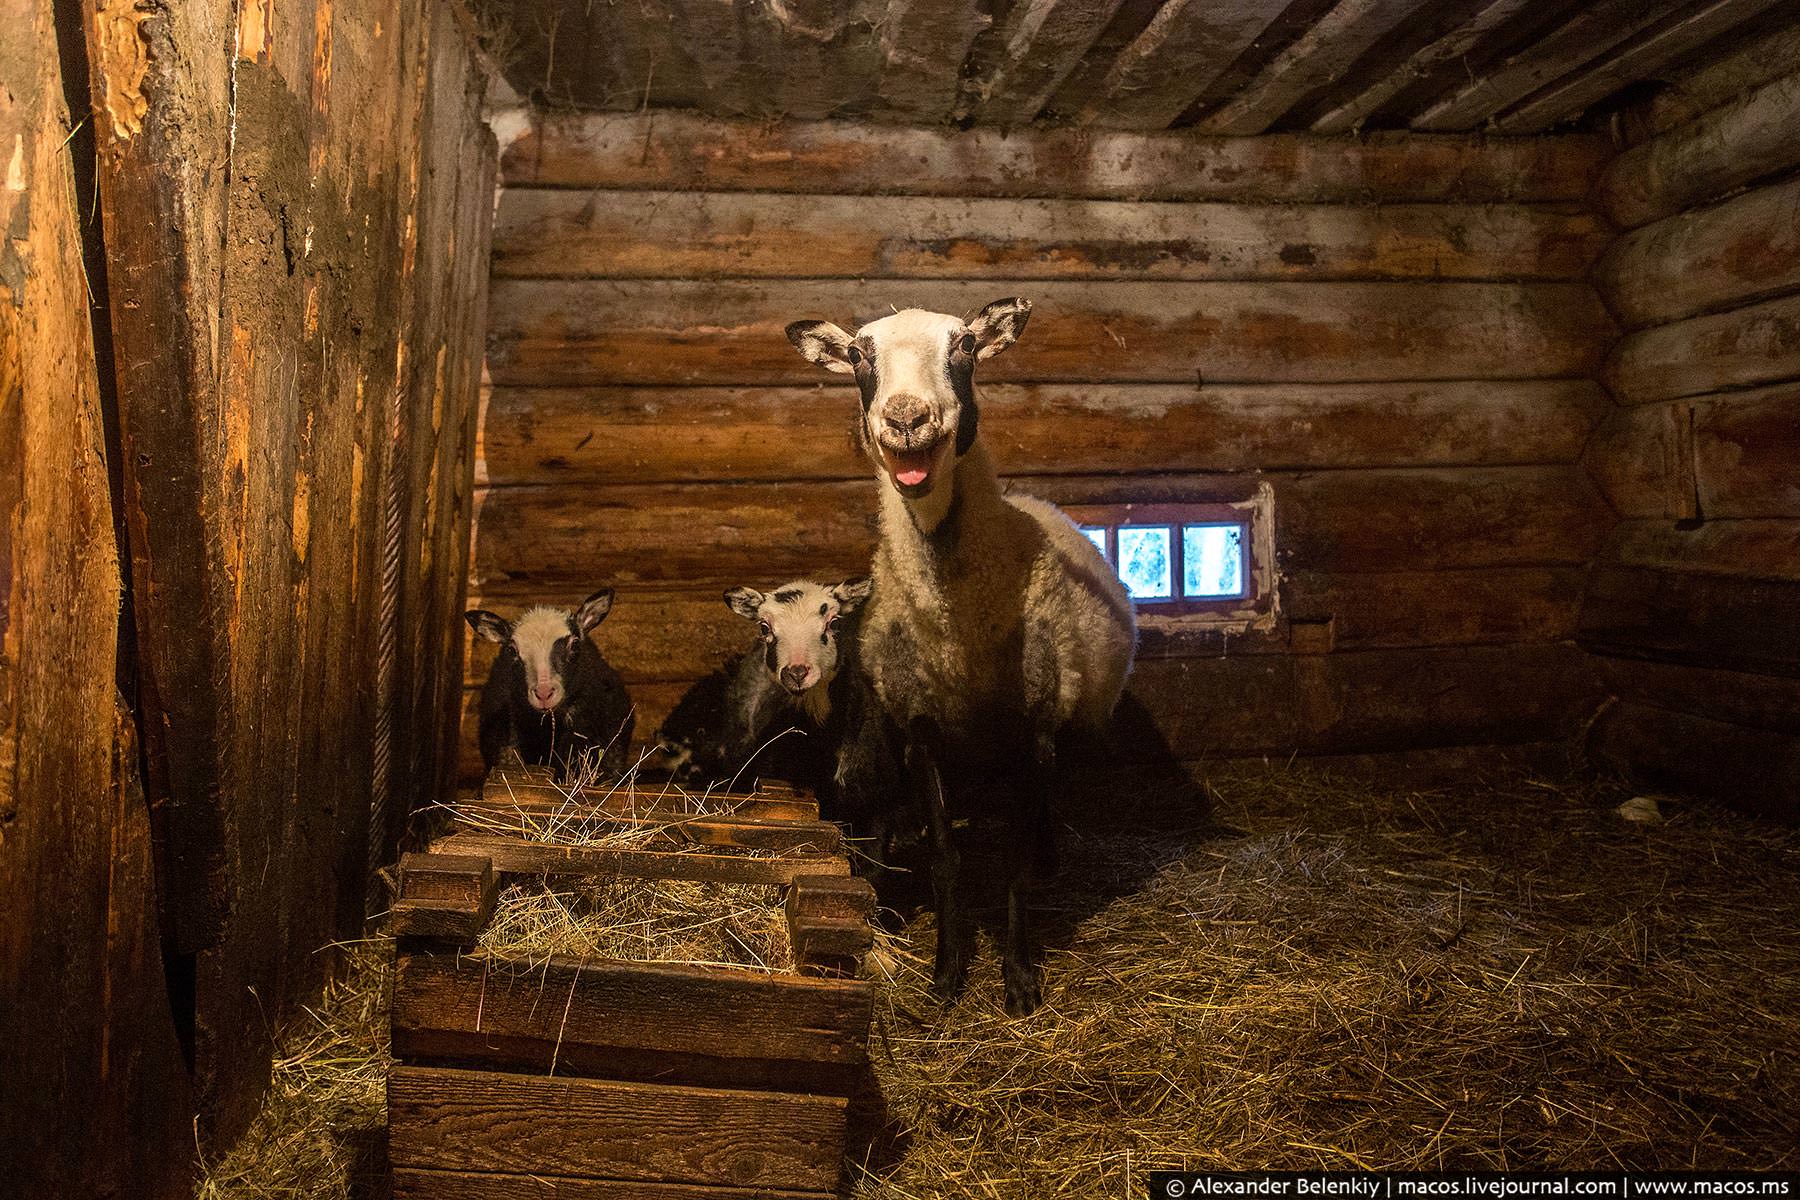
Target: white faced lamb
995	627
550	694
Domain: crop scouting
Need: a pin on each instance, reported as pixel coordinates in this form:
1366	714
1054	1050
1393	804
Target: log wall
1694	602
296	197
95	1101
1396	333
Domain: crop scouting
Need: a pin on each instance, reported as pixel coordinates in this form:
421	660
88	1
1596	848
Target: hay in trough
1335	973
319	1131
643	920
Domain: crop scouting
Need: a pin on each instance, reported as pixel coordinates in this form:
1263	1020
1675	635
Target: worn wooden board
570	233
1039	41
1755	344
1711	156
730	332
1186	46
622	434
516	857
736	1028
1722	621
1643	460
1767	549
483	1121
414	1183
672	151
1748	698
1729	254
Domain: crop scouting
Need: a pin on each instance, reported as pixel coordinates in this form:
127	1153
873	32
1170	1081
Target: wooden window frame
1250	605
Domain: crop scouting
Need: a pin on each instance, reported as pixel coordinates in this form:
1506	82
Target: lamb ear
823	343
593	610
851	593
745	602
999	325
489	625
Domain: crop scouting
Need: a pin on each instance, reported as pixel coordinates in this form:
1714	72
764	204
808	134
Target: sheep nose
906	422
545	692
793	677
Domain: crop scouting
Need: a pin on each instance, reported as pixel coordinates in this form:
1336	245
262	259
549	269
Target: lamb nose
793	677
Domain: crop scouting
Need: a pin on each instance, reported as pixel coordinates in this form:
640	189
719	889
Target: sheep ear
593	610
745	602
999	325
489	625
851	593
823	343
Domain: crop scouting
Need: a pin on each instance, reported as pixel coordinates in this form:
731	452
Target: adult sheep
995	626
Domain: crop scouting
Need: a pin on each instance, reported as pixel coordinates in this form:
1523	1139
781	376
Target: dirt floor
1325	969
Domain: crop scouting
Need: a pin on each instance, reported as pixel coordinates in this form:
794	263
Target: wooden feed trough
600	1077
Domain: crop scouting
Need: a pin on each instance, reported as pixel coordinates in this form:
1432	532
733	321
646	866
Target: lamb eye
855	356
764	627
967	343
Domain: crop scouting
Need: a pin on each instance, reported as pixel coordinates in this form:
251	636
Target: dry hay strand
1504	975
318	1132
642	920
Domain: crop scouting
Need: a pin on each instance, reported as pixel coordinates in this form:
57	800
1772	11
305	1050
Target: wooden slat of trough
1351	113
483	1121
1041	41
1312	61
1643	57
562	233
1746	140
673	151
415	1183
1756	344
1590	32
504	795
584	1015
828	923
540	435
731	332
745	832
448	896
517	857
1185	48
1743	250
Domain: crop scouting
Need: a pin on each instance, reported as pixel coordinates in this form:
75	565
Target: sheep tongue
911	469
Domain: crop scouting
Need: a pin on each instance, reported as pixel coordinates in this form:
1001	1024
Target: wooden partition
295	199
1395	333
1694	606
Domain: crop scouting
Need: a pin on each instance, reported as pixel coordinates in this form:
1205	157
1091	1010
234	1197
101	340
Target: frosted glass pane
1212	560
1144	562
1097	535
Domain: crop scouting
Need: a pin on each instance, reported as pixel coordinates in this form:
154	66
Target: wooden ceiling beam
1317	57
1041	40
1447	49
1572	45
1640	59
923	45
1187	46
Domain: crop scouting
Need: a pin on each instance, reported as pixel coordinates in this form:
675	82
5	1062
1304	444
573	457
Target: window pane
1097	535
1144	562
1212	560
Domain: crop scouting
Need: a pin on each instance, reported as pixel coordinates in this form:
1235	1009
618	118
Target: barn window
1189	559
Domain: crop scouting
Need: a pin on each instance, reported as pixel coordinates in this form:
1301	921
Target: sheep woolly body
983	601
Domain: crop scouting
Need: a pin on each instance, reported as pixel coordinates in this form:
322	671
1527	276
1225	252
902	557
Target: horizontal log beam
1739	697
1183	51
1755	770
731	332
664	435
1754	137
1747	549
1364	521
1706	620
1743	250
415	1183
686	152
1756	344
558	233
1041	41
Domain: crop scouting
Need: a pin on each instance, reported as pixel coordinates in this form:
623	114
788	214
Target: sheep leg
1030	848
952	969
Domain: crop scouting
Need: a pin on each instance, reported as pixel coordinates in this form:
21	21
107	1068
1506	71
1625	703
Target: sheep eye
764	627
967	343
855	356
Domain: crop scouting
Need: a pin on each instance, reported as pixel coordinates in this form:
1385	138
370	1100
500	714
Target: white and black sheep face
544	641
798	624
916	370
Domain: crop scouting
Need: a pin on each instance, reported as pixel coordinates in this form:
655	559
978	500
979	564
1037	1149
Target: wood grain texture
1707	620
1740	251
1755	344
1749	549
623	435
569	233
414	1183
517	857
1643	460
671	151
1731	455
1759	701
1752	137
589	332
488	1122
584	1015
1185	48
1041	41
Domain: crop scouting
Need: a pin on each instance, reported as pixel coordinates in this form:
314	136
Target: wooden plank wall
297	236
96	1095
1694	607
1396	333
